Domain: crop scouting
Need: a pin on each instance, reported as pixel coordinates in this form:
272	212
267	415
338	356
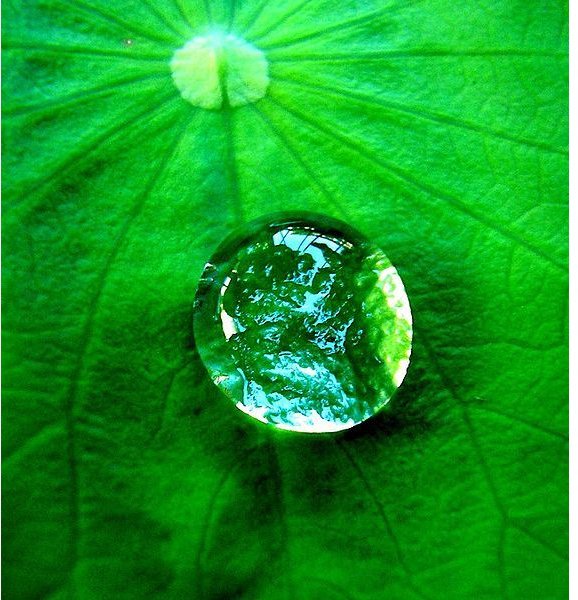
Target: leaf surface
438	129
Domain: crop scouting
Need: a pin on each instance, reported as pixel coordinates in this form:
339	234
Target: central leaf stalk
220	69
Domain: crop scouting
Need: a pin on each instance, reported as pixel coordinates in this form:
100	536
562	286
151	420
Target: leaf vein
162	19
254	17
71	161
85	337
310	174
283	18
522	420
422	113
84	94
350	23
386	55
404	177
91	51
111	18
382	514
227	113
485	469
205	527
540	541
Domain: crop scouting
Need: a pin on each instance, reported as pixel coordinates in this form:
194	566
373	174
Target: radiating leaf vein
404	177
421	113
128	26
82	154
69	404
383	516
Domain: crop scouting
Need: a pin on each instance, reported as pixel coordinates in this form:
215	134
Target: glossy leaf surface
438	129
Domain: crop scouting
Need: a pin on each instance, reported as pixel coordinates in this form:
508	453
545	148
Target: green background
437	128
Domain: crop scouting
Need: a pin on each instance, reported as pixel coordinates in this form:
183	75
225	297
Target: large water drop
303	323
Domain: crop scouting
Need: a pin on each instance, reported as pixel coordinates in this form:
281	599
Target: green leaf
439	129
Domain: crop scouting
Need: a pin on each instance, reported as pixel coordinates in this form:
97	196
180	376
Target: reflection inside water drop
303	323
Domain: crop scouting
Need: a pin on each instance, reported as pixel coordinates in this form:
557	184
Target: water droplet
220	68
303	323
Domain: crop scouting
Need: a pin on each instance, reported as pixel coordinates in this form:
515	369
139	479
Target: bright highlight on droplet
303	323
219	68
